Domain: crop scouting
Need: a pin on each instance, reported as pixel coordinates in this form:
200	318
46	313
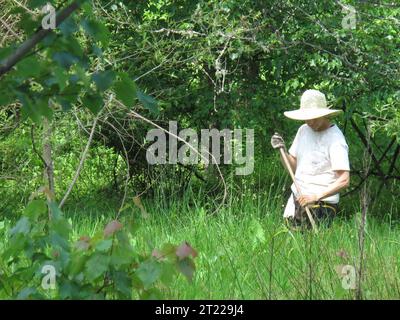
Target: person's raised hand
277	141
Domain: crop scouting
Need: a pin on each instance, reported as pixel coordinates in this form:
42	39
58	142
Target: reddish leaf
83	243
157	254
185	250
112	227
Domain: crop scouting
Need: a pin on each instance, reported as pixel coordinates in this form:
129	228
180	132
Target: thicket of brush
76	107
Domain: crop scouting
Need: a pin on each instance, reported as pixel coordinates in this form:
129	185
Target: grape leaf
96	266
148	102
149	272
34	209
96	30
125	90
104	245
23	226
93	101
103	79
187	268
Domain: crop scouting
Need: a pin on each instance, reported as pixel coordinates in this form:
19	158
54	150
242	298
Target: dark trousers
322	212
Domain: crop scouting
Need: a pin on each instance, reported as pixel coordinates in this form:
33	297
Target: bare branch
82	161
29	44
189	33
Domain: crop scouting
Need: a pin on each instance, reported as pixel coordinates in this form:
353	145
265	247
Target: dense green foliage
205	64
105	265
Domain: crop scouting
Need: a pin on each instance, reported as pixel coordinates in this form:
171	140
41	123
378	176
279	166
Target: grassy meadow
82	197
245	251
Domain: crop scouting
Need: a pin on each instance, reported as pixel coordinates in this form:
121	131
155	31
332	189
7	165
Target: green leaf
23	226
120	258
60	77
58	241
34	109
28	23
104	245
148	102
125	89
29	67
71	45
124	242
35	209
68	27
6	97
96	266
41	104
65	104
69	290
28	294
97	51
16	244
86	6
61	226
39	256
93	101
187	268
55	210
149	272
26	274
123	283
5	52
81	75
103	79
69	95
168	251
65	59
28	108
167	273
63	256
77	263
49	40
97	30
37	3
152	294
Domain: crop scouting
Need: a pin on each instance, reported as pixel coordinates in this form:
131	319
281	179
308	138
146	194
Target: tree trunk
48	170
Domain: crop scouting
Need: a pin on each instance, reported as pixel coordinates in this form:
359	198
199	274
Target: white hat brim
309	114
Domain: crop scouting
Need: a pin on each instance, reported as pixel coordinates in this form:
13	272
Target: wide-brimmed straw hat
312	106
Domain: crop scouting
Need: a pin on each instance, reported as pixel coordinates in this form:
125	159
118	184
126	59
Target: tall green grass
245	251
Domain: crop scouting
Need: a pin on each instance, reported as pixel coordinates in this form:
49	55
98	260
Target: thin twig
81	162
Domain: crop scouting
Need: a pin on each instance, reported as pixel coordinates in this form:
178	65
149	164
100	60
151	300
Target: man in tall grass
319	158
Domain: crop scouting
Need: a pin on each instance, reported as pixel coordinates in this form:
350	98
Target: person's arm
342	182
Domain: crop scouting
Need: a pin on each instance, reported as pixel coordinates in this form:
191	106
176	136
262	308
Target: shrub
40	260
